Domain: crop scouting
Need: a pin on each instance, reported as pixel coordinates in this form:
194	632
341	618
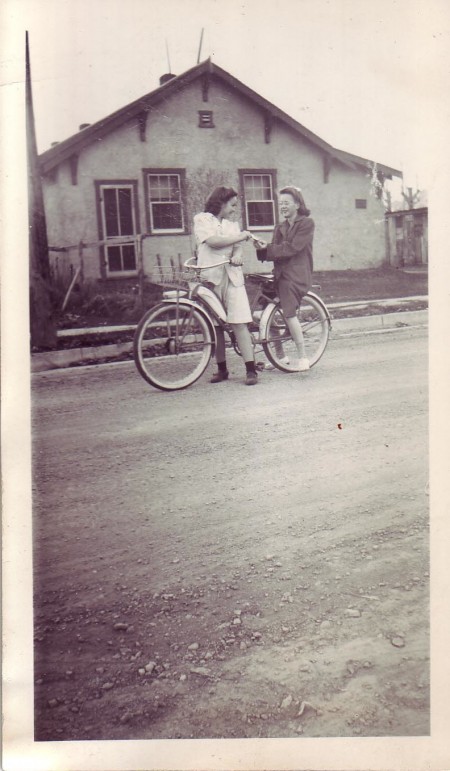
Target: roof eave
52	157
75	143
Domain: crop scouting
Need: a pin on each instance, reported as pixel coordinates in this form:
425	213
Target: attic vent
205	119
165	78
360	203
83	126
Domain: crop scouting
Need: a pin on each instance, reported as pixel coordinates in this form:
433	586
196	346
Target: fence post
158	260
69	291
81	260
140	261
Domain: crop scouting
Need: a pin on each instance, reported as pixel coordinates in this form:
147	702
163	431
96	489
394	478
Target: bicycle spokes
172	346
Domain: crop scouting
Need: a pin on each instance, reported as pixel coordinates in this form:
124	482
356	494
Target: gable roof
71	146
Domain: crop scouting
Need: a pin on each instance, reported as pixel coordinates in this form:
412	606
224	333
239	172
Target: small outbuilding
407	237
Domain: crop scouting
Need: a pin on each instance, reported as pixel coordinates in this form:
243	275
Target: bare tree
411	198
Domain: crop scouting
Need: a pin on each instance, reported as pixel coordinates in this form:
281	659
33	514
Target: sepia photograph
225	537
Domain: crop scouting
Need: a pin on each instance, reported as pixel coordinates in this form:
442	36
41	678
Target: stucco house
148	167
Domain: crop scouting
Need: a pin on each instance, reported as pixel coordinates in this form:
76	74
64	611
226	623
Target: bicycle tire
278	344
172	345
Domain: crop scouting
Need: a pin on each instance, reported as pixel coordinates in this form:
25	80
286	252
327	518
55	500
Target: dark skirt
290	295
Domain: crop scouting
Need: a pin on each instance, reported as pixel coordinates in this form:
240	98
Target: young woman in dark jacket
291	253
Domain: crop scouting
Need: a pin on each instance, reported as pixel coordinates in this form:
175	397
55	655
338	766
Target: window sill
168	233
122	274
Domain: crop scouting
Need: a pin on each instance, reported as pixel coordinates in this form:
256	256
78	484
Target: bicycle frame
175	339
215	314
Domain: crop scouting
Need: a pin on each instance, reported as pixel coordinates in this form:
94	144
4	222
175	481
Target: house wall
345	237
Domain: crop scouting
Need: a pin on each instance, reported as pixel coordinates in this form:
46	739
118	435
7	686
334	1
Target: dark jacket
291	251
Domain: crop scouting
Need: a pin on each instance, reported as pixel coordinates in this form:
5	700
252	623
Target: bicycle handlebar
190	266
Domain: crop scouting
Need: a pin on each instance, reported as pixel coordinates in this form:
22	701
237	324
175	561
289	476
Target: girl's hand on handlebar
236	260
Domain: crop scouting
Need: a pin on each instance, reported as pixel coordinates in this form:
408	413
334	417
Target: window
205	119
360	203
165	203
118	221
259	199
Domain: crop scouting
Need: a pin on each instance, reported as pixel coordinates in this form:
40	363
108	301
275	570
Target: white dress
228	279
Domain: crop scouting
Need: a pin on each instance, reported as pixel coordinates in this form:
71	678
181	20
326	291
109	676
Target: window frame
115	184
272	173
181	173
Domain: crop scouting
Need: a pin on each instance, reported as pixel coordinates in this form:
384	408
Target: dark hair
218	197
296	194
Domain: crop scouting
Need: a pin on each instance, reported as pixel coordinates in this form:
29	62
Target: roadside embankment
347	318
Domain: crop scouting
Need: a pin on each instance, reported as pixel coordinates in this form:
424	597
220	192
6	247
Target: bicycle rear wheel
278	344
172	346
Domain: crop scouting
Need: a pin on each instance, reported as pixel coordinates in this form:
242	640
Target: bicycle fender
270	306
265	318
190	303
322	304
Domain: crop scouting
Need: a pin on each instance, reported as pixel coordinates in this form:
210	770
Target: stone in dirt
120	626
352	613
150	667
204	671
286	703
193	647
398	642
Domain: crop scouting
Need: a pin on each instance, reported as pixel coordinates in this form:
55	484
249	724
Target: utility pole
42	326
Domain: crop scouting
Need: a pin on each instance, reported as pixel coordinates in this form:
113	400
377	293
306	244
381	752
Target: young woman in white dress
218	236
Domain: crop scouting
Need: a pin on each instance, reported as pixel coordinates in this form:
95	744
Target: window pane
164	187
111	218
125	213
257	187
129	257
260	214
114	261
167	216
174	186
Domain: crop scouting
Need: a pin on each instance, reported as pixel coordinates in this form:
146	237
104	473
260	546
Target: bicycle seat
261	277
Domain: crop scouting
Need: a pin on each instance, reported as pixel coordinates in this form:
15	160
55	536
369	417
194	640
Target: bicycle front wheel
172	346
278	344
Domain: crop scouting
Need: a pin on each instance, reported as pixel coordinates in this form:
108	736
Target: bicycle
175	340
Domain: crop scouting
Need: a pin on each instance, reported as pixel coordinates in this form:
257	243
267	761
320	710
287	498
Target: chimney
165	78
83	126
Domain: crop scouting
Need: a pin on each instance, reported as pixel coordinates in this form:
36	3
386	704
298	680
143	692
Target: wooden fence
67	268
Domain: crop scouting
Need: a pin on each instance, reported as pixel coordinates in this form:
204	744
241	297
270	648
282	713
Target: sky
368	76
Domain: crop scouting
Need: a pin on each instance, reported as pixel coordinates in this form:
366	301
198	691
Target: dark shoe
251	378
219	376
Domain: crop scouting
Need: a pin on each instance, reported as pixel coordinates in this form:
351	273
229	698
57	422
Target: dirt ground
249	562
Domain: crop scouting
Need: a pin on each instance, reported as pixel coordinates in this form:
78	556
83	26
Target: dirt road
230	561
